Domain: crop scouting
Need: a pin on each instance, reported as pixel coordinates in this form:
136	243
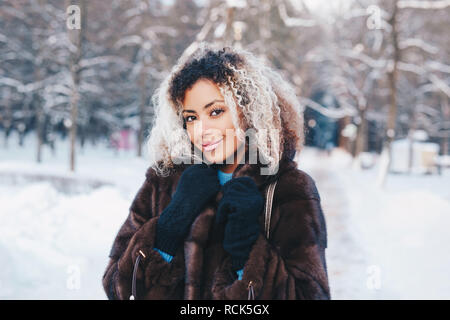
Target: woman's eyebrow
206	105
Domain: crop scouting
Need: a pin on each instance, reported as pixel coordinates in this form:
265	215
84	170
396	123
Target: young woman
226	126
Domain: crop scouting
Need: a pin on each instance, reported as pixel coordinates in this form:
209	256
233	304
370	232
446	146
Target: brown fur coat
291	265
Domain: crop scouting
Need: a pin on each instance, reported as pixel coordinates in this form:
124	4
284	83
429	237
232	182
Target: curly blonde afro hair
267	101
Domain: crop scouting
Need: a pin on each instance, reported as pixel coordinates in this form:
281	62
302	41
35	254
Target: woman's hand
240	207
197	185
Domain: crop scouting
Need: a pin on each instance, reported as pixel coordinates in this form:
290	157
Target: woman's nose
206	127
204	130
210	132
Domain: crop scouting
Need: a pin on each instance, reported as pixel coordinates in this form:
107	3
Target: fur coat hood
290	265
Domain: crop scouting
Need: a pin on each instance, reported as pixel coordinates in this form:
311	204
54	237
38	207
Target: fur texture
291	265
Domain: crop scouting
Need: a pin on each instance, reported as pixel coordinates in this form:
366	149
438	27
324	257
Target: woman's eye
216	112
189	118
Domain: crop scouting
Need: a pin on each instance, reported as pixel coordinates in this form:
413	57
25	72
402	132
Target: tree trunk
7	122
228	36
76	37
73	128
140	134
392	80
361	134
344	142
38	105
412	129
39	126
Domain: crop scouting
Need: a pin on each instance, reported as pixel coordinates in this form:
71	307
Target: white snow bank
54	244
401	228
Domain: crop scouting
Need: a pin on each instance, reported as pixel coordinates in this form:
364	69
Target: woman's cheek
228	148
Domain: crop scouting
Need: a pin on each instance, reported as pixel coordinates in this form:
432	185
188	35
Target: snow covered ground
384	243
56	235
56	232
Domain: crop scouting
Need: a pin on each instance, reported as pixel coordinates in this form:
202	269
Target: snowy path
346	259
390	243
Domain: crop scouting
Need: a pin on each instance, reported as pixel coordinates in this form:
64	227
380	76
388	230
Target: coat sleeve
155	276
291	265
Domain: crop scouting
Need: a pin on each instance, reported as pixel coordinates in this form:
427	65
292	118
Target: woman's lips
211	146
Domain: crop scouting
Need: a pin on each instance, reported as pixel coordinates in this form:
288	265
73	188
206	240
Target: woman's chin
213	159
218	159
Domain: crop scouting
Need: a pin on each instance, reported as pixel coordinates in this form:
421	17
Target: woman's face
209	122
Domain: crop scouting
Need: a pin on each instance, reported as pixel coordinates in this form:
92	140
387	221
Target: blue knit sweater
223	178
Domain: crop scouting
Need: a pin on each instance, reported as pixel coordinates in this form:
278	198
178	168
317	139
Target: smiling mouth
211	146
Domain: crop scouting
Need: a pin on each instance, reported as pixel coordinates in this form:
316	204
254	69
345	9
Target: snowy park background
389	243
373	77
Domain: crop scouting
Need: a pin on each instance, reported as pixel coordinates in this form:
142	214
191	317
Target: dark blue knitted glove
198	184
240	207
